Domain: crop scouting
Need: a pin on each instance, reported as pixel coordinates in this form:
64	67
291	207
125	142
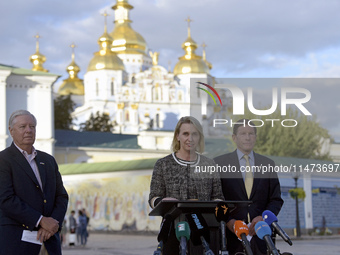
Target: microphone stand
274	238
223	250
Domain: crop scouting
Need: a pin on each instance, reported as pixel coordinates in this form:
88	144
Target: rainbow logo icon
209	93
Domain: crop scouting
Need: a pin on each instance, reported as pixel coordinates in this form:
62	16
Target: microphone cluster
196	229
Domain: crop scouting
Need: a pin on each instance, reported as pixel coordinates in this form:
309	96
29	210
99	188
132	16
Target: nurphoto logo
238	100
282	98
209	93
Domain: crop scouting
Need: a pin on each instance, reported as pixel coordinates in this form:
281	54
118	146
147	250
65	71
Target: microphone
183	235
164	233
271	219
166	226
159	249
241	231
222	215
199	231
264	232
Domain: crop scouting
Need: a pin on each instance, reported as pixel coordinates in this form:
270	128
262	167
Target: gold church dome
190	62
37	58
125	38
72	85
204	56
105	59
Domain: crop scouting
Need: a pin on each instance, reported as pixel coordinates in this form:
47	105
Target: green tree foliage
299	192
100	122
63	107
305	140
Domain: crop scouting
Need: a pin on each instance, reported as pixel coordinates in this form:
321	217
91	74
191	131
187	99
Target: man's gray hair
20	113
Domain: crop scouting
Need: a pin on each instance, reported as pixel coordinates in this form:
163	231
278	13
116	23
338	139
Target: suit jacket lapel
25	166
42	170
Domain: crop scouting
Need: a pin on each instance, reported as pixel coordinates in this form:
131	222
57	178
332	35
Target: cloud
241	36
245	38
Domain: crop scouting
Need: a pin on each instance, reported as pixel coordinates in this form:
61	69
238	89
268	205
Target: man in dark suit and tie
33	200
263	189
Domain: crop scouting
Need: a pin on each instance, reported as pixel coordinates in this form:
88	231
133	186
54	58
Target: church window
157	96
180	96
157	120
97	87
112	87
127	115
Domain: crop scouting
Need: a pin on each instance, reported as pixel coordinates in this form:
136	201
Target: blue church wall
287	215
325	203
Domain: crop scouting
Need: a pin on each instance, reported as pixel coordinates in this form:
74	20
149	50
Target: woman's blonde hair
175	146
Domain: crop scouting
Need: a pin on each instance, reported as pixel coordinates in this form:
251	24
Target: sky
245	39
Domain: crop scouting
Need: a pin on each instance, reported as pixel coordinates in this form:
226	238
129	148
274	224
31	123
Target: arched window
157	121
127	115
180	96
112	87
97	87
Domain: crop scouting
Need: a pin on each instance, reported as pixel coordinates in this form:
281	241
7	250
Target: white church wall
155	140
32	93
3	113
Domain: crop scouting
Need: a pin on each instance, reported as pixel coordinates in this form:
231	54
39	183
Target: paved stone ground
132	244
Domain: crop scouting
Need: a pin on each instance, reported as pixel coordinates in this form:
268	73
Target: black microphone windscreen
198	227
222	212
167	224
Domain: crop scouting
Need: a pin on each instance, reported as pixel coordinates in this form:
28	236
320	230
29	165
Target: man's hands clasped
49	227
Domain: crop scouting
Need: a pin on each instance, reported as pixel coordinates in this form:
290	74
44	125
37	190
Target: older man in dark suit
263	189
33	200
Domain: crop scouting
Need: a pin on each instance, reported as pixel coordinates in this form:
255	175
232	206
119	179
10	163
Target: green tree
63	107
299	192
100	122
305	140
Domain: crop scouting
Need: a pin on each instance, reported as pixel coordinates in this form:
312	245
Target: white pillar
40	103
307	186
3	109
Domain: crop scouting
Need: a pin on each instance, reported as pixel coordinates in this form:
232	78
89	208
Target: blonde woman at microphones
178	176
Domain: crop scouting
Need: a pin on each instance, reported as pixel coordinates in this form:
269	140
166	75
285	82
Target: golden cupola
125	39
204	56
37	58
190	62
72	85
105	59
